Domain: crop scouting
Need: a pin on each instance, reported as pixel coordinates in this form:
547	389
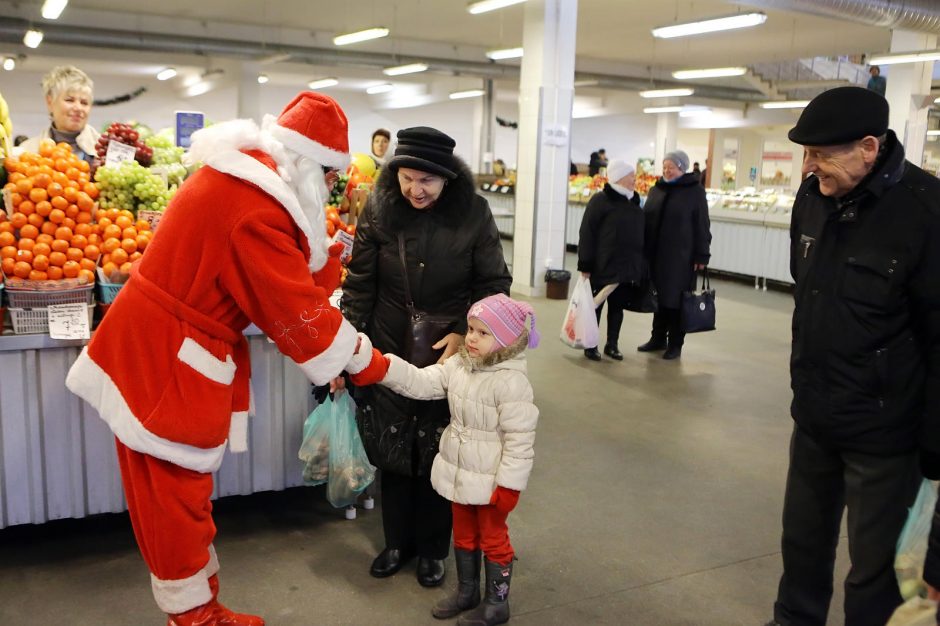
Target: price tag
504	189
118	153
69	321
347	240
187	122
586	192
8	202
162	171
151	217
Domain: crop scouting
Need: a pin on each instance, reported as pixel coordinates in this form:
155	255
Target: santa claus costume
243	241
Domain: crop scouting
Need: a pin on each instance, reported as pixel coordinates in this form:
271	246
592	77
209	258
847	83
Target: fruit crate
33	321
109	291
38	298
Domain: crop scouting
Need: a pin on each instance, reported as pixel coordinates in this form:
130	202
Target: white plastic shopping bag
915	612
579	329
912	543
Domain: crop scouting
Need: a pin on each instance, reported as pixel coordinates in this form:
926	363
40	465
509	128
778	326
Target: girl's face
421	189
379	145
479	339
70	109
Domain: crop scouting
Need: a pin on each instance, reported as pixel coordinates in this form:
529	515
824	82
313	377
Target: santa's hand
374	372
328	277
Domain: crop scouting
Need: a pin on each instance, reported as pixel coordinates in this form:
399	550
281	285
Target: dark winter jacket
454	258
610	245
678	235
865	367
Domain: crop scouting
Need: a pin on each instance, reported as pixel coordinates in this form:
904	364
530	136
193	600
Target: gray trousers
876	491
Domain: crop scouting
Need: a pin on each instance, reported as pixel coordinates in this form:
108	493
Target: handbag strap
706	281
409	301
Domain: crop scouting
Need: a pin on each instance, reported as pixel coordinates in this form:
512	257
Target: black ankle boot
672	352
592	354
613	352
495	606
467	594
653	345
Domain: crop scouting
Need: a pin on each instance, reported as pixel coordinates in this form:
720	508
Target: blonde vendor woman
68	92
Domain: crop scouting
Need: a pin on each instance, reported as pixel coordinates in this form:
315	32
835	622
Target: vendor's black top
678	235
841	115
610	245
425	149
865	366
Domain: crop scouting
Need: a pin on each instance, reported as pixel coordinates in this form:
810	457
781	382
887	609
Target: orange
29	232
83	218
7	239
125	268
44	239
56	216
24	186
22	269
25	244
91	189
84	201
86	275
15	198
6	227
70	193
74	254
142	225
71	268
60	179
55	272
92	252
79	241
57	258
36	220
13	178
41	262
330	228
48	228
71	172
94	239
142	242
104	222
72	211
38	194
7	266
120	256
8	252
37	275
125	213
44	208
83	229
60	245
26	207
63	232
105	259
112	213
54	190
69	223
42	180
25	256
83	165
129	246
43	249
129	233
62	165
123	222
18	220
112	232
87	264
59	202
135	256
110	245
108	269
46	146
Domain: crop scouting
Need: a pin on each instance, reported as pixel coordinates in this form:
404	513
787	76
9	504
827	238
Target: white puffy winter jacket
491	436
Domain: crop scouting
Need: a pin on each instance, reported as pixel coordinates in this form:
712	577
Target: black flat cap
425	149
841	115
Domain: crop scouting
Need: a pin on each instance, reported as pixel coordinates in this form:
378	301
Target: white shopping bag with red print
579	329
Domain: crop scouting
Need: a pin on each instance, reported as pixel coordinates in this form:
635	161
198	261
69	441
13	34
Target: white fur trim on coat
179	596
329	364
361	359
204	362
302	144
238	432
249	169
88	381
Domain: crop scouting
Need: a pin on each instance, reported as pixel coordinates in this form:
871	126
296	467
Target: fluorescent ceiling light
905	57
695	112
666	93
674	109
197	89
483	6
322	83
166	74
470	93
715	72
383	88
262	79
937	101
933	133
52	9
32	38
9	64
506	53
785	104
362	35
400	70
586	83
743	20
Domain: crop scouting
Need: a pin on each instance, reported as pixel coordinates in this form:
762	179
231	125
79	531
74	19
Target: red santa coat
168	367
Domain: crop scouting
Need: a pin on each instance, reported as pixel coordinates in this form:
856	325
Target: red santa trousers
482	527
171	514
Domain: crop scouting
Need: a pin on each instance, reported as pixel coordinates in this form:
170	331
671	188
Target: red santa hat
315	126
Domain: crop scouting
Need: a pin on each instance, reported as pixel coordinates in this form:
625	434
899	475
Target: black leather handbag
642	297
698	307
424	329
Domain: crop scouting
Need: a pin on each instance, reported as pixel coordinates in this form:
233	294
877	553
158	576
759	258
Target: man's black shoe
613	352
430	572
672	352
653	345
388	562
592	354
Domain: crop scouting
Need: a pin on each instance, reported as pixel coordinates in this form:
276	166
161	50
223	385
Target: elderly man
865	366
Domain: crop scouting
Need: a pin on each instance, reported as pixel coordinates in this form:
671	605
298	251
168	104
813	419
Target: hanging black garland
120	99
506	123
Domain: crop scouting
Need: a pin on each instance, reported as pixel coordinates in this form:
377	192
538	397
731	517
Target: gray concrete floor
655	499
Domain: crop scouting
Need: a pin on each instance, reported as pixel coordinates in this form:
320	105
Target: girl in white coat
486	452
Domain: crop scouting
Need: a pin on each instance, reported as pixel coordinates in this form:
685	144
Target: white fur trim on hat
247	168
302	144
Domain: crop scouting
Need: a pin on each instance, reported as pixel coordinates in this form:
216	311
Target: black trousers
667	327
821	482
614	313
414	516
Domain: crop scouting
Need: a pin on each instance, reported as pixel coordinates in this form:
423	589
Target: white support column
546	93
249	92
908	93
487	134
667	130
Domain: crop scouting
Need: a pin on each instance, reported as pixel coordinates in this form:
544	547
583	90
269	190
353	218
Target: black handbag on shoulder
424	329
697	309
642	297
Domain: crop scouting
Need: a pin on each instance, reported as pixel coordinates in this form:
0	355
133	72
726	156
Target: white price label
347	240
119	152
69	321
504	189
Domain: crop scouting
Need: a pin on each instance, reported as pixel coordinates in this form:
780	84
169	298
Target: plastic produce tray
35	298
33	321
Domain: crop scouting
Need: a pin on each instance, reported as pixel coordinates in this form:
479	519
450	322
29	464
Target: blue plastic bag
332	451
912	544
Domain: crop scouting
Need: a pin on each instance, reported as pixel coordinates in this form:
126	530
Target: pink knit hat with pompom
505	318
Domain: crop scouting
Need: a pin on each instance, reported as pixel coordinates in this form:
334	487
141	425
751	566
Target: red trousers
482	527
171	514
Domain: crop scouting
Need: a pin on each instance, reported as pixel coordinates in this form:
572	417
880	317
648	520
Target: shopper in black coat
678	239
454	258
610	249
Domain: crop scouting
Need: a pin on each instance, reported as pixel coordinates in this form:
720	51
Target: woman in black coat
454	258
610	249
678	240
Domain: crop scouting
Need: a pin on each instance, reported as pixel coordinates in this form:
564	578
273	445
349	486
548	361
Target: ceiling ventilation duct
917	15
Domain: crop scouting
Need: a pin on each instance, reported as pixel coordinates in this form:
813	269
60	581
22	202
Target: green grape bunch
129	185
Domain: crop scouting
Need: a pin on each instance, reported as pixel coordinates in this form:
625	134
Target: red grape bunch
124	133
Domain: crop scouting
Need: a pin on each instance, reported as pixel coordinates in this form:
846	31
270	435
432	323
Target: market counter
57	457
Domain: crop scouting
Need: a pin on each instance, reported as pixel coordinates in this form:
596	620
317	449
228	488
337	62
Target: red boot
200	616
213	614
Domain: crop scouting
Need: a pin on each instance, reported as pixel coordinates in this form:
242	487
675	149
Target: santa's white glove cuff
361	359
